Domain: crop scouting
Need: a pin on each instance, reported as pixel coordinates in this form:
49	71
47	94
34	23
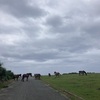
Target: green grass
5	84
73	85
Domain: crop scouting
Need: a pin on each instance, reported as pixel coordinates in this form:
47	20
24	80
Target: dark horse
37	76
49	74
57	74
16	76
82	72
26	76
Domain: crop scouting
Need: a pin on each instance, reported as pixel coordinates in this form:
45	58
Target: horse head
30	74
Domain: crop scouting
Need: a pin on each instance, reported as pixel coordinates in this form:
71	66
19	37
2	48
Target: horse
82	72
37	76
30	74
57	74
26	76
49	74
16	76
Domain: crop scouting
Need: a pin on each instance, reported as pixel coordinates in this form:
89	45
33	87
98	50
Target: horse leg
26	78
85	73
23	79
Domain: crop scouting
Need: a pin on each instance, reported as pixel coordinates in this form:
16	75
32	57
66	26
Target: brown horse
16	76
26	76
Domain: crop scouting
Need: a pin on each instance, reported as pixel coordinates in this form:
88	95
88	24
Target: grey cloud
62	39
21	9
4	30
58	24
39	57
27	52
32	30
94	8
78	45
9	30
54	21
67	25
93	27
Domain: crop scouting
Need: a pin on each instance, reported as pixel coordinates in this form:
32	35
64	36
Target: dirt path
30	90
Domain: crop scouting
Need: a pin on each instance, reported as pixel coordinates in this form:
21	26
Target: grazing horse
82	72
57	74
37	76
49	74
16	76
26	76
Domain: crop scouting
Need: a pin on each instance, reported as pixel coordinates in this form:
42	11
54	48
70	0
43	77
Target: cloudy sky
42	36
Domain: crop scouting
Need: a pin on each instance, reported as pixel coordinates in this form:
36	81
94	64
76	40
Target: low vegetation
5	76
76	87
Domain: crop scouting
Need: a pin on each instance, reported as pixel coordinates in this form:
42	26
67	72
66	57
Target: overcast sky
42	36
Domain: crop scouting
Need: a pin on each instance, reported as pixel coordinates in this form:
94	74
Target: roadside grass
5	84
76	87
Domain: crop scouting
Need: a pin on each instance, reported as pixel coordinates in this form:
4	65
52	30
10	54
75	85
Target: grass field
76	87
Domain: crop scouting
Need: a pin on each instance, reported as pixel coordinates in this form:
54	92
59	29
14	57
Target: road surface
30	90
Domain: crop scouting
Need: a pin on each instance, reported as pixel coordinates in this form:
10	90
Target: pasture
76	87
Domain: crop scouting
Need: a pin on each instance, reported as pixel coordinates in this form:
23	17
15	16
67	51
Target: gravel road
30	90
